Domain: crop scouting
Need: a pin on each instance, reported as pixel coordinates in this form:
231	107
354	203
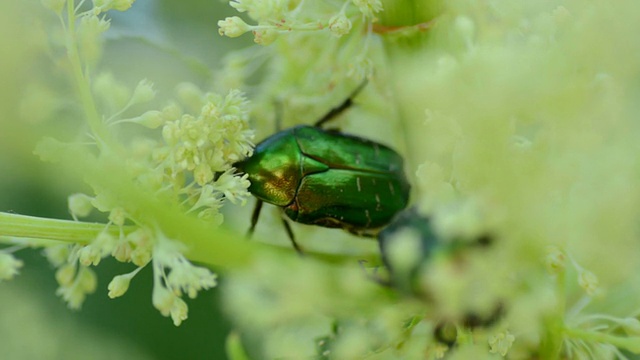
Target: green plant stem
628	343
98	128
77	232
24	226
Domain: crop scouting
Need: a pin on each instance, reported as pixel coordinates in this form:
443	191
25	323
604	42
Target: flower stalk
98	128
23	226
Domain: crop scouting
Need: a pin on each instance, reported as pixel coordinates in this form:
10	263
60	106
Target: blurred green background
167	42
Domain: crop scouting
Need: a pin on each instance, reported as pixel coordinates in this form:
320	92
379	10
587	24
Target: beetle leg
287	227
342	107
254	217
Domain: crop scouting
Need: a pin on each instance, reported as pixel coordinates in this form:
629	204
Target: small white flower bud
179	311
171	132
202	174
93	26
501	343
211	216
171	112
88	280
141	256
265	36
80	205
89	255
151	119
555	260
122	252
588	281
232	27
162	299
113	93
89	34
339	25
119	285
368	7
143	93
73	295
117	216
57	255
65	274
9	266
122	5
104	243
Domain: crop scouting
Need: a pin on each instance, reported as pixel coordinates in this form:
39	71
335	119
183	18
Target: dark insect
429	242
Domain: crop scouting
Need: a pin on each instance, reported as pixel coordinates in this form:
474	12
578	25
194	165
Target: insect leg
287	227
342	107
254	217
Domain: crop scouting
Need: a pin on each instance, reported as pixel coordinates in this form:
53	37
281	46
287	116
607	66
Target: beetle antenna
342	107
287	227
254	217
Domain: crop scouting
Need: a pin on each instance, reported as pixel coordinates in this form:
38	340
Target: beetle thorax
274	169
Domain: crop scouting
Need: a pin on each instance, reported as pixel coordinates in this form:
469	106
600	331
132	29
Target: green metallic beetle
327	178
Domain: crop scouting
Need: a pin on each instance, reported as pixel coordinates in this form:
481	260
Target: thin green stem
76	232
551	345
23	226
628	343
83	87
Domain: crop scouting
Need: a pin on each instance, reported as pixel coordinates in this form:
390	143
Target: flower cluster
274	17
209	143
75	280
181	169
188	167
9	265
329	45
174	275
